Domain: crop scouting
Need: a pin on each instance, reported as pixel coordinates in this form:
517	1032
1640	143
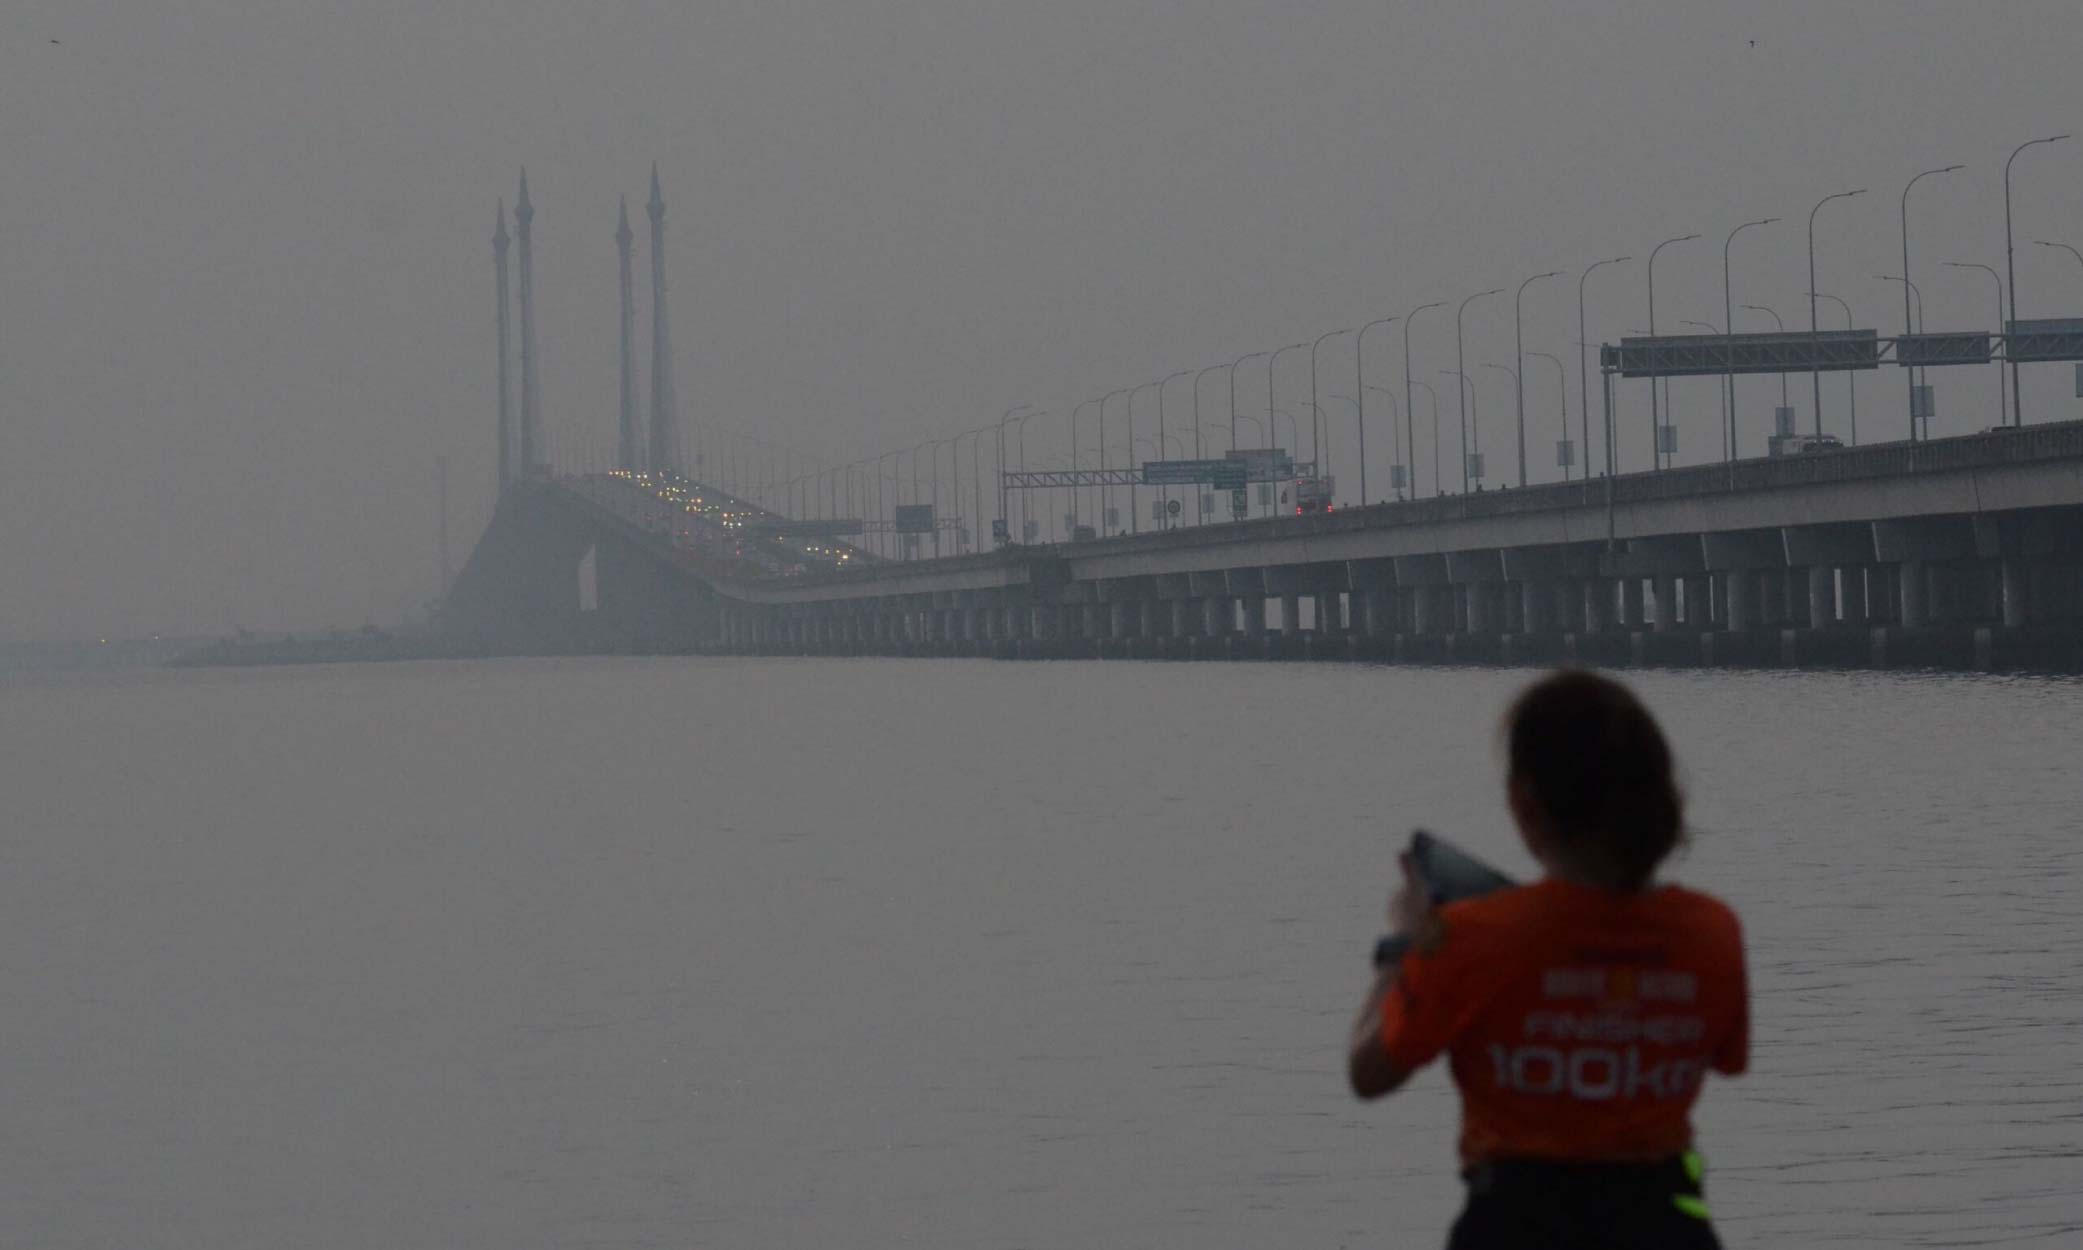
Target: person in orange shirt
1580	1014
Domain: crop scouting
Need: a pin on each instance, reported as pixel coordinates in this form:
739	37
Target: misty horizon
249	267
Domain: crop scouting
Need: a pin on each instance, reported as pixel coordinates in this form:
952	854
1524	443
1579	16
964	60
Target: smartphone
1448	873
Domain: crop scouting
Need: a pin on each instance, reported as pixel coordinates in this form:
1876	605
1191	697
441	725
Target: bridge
1956	552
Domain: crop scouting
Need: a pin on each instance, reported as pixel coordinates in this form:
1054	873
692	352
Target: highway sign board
913	518
1677	355
1226	474
2055	338
1263	464
1942	349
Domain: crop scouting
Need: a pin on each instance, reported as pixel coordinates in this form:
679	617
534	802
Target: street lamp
1728	317
1009	414
1710	328
2010	265
1233	407
2064	247
1410	450
1272	359
1200	514
1814	374
1104	494
1390	395
1519	361
1851	376
1460	365
1521	392
1909	289
1183	373
1997	278
1656	422
1360	385
1906	289
1409	382
1781	327
1584	363
1561	401
1323	462
1020	441
1466	386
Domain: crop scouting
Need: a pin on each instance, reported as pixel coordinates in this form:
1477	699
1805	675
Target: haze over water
787	953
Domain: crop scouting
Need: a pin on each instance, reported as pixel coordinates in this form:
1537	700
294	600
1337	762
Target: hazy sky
246	279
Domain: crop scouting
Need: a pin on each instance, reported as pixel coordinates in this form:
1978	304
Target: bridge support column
1598	605
1119	625
1858	605
1180	615
1254	615
2017	592
1912	576
1534	598
1377	614
1290	615
1216	616
1425	609
1146	617
1663	591
1699	602
1739	599
1095	621
1472	620
1330	613
1043	622
1631	602
1822	596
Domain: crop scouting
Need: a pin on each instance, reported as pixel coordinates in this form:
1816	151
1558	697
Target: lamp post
890	541
1710	328
1357	418
1997	278
1561	401
1460	366
1390	395
1200	514
1272	359
1466	387
1360	385
1656	422
1519	360
1781	327
1584	362
2010	265
1409	382
1233	412
1010	413
2064	247
1909	289
1316	426
1728	317
1020	442
1520	391
1814	374
1075	410
1851	376
1906	288
1104	494
1410	451
1166	492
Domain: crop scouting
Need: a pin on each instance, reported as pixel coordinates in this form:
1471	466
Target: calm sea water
869	953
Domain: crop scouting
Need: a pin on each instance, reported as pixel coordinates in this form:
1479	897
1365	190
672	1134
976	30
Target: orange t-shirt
1579	1022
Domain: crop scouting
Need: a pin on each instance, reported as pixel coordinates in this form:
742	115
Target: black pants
1585	1206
